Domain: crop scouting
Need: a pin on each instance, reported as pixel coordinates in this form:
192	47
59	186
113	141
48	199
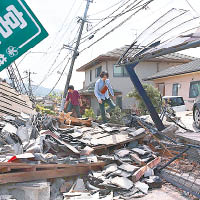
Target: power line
102	20
192	7
50	73
70	24
119	25
107	8
60	34
60	76
65	20
116	17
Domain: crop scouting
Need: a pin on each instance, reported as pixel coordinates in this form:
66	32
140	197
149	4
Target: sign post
20	30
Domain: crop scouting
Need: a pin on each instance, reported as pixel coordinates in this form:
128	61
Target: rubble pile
109	160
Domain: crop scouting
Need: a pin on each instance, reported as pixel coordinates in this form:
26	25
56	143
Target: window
119	71
90	75
98	71
175	89
194	89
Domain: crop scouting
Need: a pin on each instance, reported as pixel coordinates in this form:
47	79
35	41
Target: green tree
152	92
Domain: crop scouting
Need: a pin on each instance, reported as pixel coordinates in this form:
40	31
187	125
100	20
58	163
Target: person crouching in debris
73	101
102	87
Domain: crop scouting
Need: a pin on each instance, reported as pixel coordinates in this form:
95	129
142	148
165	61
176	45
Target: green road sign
20	30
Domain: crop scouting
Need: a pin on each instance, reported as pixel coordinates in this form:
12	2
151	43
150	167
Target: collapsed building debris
86	160
110	157
13	103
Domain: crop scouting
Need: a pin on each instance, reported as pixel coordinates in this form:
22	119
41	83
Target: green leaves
152	92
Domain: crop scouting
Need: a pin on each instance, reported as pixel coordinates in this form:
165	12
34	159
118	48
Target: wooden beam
70	170
68	119
140	172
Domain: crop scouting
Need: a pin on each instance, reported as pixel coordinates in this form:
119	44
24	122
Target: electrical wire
185	23
115	17
60	77
107	8
60	34
119	25
65	20
192	7
69	25
102	20
49	73
132	5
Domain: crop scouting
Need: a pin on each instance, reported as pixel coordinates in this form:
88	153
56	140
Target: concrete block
38	190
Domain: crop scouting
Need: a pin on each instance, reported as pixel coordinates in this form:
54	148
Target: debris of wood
68	119
44	171
140	172
106	160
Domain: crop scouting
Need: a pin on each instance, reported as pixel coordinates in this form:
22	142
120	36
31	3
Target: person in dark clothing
73	101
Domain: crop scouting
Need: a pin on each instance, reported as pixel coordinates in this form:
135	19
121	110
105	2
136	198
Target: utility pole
75	54
28	75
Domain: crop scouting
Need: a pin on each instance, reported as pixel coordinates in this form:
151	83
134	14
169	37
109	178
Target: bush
44	110
89	113
154	95
116	116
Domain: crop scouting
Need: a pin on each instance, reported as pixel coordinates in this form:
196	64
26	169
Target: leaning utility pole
75	54
28	76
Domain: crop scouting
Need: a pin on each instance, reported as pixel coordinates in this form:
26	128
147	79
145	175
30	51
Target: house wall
124	84
184	81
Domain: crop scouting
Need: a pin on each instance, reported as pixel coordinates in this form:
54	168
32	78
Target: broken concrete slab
128	167
79	185
139	151
143	187
122	182
137	132
122	153
110	168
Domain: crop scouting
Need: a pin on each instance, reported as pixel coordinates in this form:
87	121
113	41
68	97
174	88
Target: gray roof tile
193	66
116	53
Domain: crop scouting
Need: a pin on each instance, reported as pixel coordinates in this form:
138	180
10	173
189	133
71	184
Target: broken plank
43	166
115	142
140	172
67	118
47	174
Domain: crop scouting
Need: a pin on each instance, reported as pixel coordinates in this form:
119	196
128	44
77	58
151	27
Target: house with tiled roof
119	77
182	80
